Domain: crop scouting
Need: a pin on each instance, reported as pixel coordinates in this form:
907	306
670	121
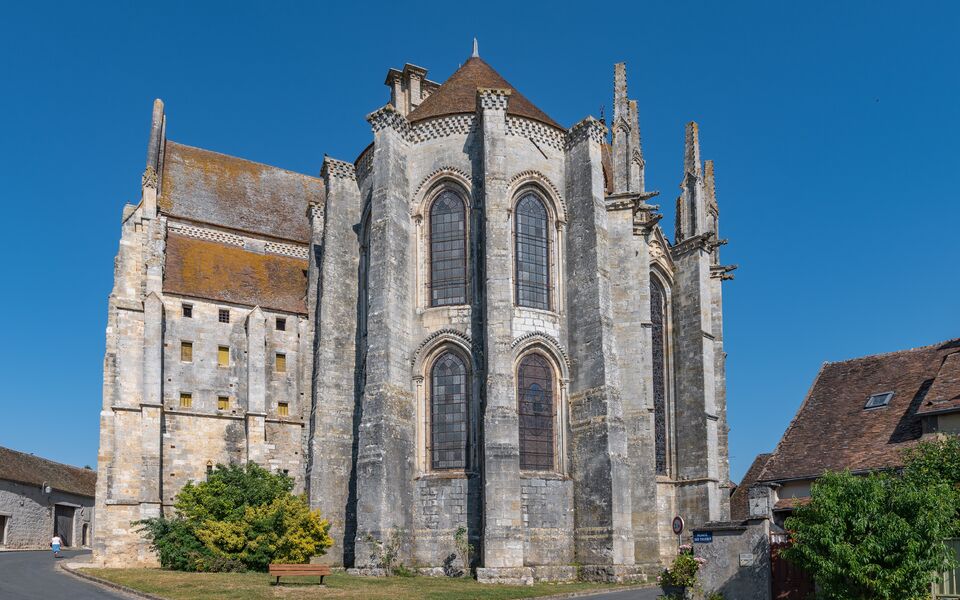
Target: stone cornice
492	99
697	242
389	118
337	169
587	129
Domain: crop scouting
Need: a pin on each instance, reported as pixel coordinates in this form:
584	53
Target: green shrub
240	518
683	571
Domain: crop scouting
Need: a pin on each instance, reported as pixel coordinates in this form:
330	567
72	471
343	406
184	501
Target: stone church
479	322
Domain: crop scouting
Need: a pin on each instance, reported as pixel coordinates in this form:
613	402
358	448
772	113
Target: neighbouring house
860	415
39	497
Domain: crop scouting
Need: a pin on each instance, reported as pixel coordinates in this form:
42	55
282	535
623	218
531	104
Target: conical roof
458	95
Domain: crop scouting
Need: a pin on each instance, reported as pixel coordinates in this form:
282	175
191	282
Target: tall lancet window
449	394
658	315
533	268
448	251
536	409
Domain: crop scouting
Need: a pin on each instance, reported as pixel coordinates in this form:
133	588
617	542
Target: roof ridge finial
476	49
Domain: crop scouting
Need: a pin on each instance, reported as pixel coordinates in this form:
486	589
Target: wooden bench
279	571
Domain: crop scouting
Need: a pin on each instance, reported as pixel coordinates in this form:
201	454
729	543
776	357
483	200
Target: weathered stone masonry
335	300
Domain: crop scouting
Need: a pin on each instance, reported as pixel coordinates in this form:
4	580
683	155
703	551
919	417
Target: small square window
223	315
280	364
187	311
283	409
186	400
281	324
223	403
186	351
878	400
223	356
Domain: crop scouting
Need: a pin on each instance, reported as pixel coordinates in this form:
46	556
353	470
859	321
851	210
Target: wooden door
789	582
63	523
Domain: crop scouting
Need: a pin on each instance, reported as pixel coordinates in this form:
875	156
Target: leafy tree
934	462
875	537
240	518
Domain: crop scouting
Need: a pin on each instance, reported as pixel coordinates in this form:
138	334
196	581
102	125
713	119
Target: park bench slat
285	570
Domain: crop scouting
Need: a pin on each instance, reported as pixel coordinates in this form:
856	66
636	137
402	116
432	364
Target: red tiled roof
218	272
944	394
458	95
832	431
209	187
33	470
791	503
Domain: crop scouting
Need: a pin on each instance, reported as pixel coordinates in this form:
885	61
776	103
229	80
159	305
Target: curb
136	593
109	584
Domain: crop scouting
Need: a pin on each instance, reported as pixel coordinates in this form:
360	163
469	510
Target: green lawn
176	585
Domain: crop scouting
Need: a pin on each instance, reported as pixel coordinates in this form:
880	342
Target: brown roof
739	500
209	187
791	503
33	470
944	394
832	431
458	95
224	273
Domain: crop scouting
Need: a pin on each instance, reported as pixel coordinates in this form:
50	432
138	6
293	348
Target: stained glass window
658	315
533	269
448	251
448	413
536	408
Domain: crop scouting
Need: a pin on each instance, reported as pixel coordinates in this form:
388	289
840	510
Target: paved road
34	576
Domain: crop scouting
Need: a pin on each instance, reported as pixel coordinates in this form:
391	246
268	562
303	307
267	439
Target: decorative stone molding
442	127
492	99
389	118
530	176
437	337
697	242
536	132
149	178
203	233
286	250
723	272
587	129
364	164
549	341
428	182
337	169
656	250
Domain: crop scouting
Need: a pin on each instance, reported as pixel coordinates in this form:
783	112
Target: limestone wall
29	516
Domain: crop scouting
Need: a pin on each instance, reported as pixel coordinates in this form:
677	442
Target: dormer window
878	400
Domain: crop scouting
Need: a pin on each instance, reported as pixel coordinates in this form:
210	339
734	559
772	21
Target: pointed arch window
535	378
449	405
658	317
448	250
531	252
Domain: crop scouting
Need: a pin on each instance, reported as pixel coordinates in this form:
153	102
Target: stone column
386	444
256	386
151	408
602	485
503	518
334	264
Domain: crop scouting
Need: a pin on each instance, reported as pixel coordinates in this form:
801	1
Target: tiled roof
33	470
458	95
791	503
832	431
218	272
739	500
208	187
944	394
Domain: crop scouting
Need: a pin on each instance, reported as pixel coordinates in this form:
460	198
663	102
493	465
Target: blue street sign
703	537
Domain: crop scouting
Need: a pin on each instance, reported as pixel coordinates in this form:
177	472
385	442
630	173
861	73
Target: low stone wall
737	558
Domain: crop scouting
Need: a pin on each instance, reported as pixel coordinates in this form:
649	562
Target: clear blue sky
834	127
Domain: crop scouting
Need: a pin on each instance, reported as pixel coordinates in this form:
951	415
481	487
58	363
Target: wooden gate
63	523
789	582
948	587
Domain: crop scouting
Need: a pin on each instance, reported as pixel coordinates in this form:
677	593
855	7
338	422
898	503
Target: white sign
746	560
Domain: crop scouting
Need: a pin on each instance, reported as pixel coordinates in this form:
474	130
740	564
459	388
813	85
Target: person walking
55	544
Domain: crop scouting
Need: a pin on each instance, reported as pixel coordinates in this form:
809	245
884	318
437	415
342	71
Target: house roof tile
33	470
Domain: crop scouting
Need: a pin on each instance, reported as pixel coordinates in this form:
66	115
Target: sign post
677	530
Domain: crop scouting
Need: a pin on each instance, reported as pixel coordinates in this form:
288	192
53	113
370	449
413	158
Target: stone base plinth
506	575
554	574
613	573
368	572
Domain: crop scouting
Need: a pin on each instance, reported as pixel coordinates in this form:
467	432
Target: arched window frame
657	277
431	407
435	195
553	240
423	381
559	400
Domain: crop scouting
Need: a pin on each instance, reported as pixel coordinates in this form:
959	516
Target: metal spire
476	50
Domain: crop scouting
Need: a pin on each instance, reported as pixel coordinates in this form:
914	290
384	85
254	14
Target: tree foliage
240	518
880	536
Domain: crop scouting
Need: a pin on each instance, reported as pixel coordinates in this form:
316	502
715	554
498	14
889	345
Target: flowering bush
683	571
